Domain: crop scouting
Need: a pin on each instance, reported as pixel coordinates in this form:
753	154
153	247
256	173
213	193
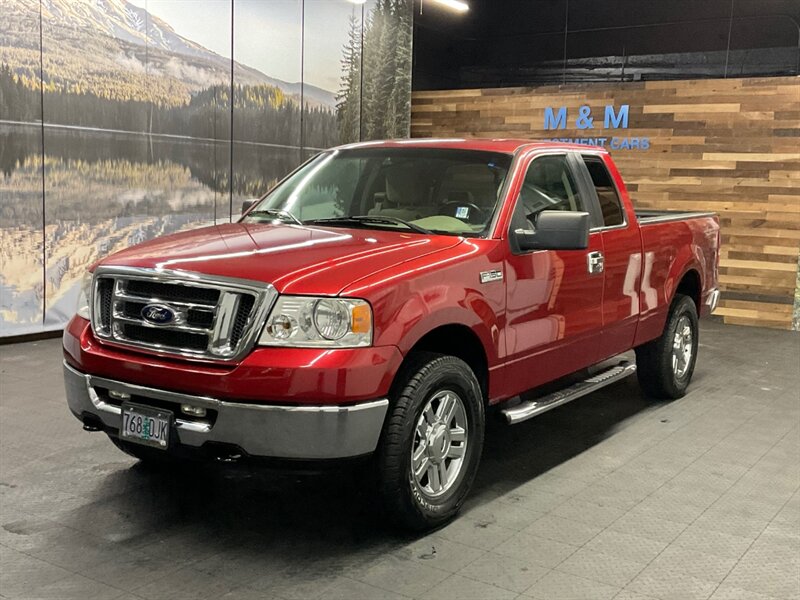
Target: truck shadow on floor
287	520
515	455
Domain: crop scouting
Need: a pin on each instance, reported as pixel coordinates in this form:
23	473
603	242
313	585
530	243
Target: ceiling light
456	5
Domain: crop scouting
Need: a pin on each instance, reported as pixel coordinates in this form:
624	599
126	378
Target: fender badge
489	276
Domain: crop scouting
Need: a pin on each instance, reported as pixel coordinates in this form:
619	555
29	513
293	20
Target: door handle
595	262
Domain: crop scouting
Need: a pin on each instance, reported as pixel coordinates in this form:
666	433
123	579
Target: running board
531	408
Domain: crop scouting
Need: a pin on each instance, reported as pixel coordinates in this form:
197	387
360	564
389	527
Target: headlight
85	296
304	321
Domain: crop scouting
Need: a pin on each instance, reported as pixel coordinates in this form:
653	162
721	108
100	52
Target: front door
554	301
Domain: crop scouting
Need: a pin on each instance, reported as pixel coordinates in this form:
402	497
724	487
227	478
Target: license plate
148	426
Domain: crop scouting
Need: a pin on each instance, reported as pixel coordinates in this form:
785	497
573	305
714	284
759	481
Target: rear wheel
665	365
432	441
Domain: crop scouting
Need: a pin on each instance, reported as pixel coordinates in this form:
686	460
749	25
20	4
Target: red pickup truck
378	300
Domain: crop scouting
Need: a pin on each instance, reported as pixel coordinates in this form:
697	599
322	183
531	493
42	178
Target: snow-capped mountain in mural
107	47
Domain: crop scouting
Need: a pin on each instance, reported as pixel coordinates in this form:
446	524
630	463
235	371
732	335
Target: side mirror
556	230
248	203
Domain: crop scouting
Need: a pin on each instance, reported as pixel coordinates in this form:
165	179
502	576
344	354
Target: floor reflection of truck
378	300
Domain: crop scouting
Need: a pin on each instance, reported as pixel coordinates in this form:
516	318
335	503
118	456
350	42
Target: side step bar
531	408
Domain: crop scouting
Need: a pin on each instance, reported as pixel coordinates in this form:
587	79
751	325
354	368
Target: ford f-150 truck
378	300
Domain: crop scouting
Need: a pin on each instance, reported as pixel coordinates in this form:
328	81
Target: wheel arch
454	339
687	281
690	285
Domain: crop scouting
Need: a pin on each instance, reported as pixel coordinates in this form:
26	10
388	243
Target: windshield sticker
462	212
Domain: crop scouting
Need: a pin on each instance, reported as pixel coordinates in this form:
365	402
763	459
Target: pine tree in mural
401	91
371	64
348	100
386	62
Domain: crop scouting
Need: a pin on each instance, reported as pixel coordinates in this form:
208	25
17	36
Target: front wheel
665	365
432	441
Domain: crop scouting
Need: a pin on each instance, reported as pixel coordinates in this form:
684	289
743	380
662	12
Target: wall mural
121	120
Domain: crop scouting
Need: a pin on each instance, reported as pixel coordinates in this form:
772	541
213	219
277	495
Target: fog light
194	411
118	395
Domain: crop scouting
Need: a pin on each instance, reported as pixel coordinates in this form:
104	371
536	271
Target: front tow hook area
224	453
91	423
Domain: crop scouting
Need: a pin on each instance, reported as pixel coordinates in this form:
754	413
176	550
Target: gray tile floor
611	496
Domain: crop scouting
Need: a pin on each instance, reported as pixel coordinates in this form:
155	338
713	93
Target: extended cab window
549	185
610	205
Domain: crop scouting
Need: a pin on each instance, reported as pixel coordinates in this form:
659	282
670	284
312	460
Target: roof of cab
505	145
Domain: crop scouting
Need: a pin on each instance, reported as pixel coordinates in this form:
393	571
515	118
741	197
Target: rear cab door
554	297
622	252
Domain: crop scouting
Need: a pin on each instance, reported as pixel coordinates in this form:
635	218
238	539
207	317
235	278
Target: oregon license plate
144	425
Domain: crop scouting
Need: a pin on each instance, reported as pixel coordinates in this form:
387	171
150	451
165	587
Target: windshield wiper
376	219
276	212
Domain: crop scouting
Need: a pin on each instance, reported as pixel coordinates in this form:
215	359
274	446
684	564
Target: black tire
654	360
427	377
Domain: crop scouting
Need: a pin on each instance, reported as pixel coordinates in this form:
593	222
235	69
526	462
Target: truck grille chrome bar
179	313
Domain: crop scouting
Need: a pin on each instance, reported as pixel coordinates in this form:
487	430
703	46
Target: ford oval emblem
158	314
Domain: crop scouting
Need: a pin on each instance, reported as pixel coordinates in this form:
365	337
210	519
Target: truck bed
648	216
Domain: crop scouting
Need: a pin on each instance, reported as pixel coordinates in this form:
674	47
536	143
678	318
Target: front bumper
265	430
267	375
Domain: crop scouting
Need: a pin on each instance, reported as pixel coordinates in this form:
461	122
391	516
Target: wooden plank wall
727	145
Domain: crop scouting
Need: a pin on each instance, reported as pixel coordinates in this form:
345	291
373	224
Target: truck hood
295	259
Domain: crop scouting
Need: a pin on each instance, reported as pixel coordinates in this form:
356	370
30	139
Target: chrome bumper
301	432
712	300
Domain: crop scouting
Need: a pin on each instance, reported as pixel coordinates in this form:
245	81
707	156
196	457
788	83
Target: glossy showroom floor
609	497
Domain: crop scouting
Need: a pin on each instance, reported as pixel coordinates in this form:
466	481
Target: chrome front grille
177	313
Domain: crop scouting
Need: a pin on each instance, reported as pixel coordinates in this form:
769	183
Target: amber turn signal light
360	316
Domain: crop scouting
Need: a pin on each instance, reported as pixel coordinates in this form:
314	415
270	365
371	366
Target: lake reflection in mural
105	192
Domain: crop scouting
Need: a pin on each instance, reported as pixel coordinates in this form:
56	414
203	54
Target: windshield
417	189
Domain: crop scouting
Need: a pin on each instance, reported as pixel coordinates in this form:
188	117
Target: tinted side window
549	185
610	204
